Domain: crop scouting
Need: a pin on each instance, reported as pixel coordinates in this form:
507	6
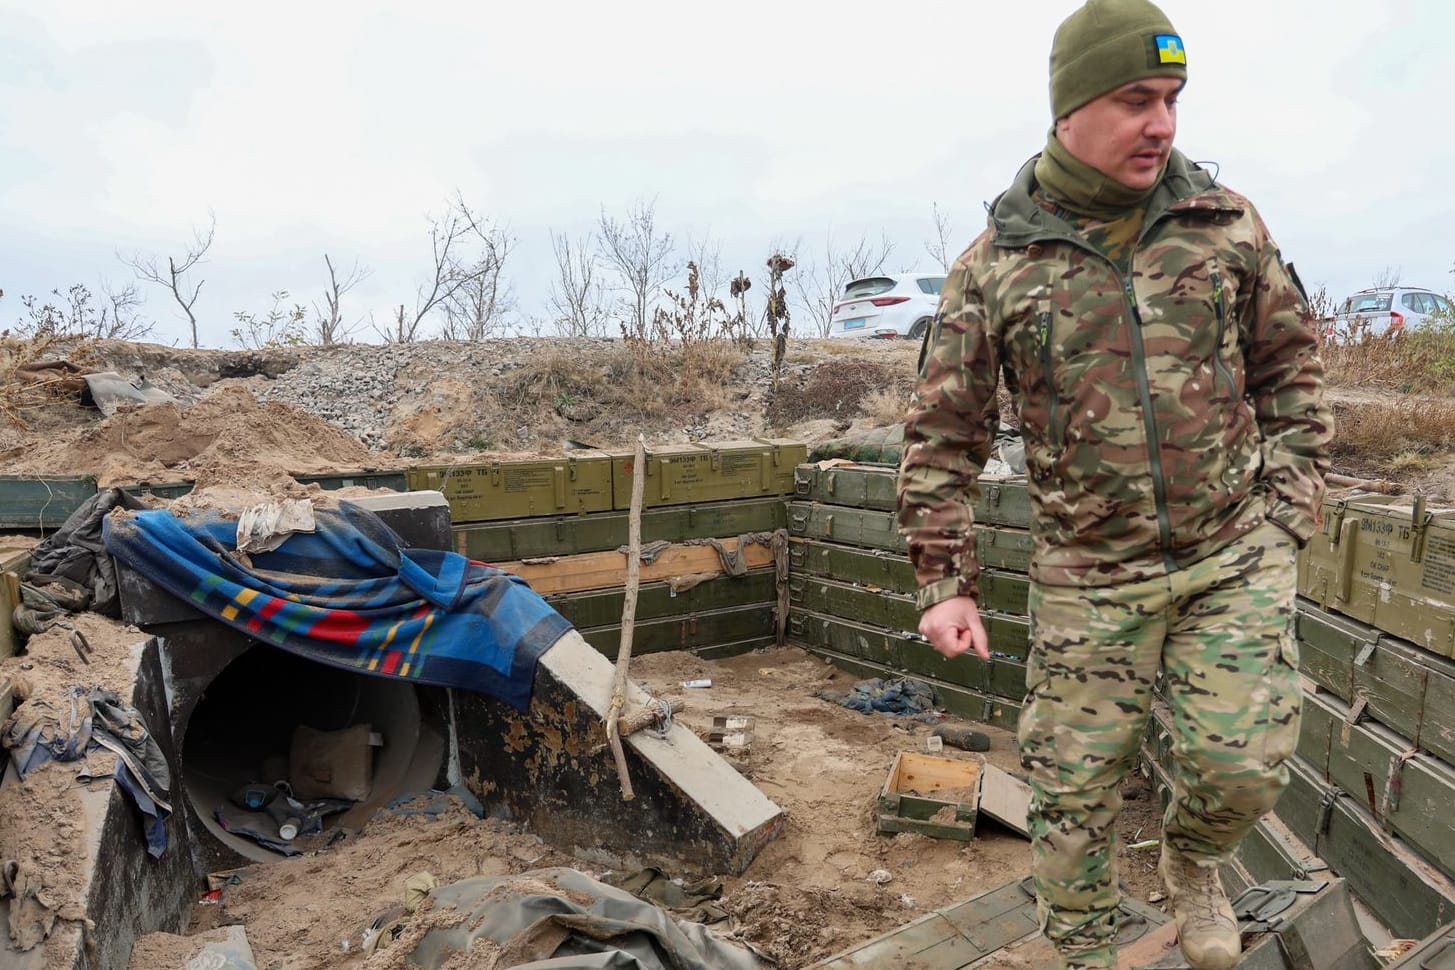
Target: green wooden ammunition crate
996	547
167	490
519	489
1434	952
1003	592
1001	501
836	523
908	653
1409	794
856	486
1408	689
36	502
868	567
698	631
1388	563
1009	635
1406	894
958	699
687	474
394	481
920	788
655	600
603	531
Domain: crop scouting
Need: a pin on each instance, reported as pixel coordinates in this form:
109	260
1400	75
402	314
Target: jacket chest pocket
1031	347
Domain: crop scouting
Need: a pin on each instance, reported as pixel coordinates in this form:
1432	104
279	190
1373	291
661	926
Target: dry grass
1422	362
1403	434
836	389
39	370
887	405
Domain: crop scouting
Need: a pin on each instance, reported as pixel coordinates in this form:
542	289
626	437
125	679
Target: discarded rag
349	595
74	558
562	919
899	696
41	730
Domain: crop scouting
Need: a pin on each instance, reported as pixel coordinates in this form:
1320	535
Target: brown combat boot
1206	927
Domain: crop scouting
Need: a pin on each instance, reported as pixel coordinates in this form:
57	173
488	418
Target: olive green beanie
1108	43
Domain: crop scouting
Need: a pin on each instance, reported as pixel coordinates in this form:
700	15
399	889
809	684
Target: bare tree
77	313
176	279
454	267
576	296
641	256
940	246
328	322
1389	277
820	284
478	305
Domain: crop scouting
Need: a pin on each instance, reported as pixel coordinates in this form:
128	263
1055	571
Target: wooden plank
13	565
1003	676
972	705
948	939
687	632
604	531
595	608
603	570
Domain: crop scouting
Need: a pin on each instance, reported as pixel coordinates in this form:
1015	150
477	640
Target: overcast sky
313	127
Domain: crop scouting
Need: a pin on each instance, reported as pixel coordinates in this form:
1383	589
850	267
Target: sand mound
223	437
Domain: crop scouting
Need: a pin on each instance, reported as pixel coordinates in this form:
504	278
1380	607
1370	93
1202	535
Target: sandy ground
808	895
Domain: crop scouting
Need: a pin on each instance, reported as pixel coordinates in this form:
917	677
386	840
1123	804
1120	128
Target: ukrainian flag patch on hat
1169	49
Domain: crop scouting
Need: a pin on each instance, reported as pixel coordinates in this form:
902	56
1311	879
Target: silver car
1387	309
887	307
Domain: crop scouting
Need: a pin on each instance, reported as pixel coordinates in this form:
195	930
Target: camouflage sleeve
947	437
1286	384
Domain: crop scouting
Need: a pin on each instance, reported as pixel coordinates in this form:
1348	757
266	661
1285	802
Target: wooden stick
628	615
1382	486
649	716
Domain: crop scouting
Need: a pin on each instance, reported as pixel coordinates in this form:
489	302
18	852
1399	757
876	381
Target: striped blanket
349	596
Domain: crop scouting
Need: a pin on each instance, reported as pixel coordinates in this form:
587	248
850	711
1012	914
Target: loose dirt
244	421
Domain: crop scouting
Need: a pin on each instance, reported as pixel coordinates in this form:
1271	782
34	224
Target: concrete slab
693	812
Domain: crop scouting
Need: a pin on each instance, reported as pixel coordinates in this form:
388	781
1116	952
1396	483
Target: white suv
887	306
1386	309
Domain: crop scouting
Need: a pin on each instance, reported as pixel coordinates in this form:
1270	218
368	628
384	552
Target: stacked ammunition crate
852	587
1372	782
562	524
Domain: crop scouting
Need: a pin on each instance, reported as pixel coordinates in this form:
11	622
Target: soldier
1162	361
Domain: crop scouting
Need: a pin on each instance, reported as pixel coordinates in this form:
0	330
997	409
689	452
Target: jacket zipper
1149	421
1220	366
1053	431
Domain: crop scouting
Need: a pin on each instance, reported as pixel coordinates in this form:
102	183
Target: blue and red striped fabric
350	596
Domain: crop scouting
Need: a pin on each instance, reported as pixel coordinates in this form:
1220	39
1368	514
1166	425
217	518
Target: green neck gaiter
1082	189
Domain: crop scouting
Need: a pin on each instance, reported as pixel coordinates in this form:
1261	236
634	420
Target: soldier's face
1127	133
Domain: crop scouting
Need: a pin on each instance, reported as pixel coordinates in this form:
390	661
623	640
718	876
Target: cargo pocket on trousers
1285	701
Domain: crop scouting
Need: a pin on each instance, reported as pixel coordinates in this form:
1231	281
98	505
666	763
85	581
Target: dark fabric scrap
41	731
75	557
878	696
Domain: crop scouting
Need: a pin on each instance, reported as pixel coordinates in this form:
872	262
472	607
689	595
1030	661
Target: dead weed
1399	434
837	389
1421	362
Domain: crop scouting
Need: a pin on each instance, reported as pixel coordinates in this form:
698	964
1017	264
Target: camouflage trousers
1220	635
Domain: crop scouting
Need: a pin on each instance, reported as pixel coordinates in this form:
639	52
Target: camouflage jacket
1165	412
